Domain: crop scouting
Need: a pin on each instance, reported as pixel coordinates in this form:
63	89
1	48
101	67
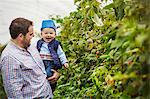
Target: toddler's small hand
66	65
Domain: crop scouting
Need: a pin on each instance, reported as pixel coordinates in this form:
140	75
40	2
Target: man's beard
25	44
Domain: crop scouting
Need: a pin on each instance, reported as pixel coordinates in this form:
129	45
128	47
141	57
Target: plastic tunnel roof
35	10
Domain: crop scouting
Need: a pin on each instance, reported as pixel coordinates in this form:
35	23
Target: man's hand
55	77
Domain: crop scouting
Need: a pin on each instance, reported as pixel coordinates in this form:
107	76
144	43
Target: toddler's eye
31	34
49	33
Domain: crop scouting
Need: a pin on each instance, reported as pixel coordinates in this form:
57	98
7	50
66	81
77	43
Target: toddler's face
48	34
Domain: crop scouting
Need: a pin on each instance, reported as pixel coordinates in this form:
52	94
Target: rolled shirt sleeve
12	77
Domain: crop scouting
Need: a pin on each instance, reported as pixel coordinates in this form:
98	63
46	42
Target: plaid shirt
23	73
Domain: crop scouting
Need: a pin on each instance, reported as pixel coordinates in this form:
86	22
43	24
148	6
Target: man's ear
20	36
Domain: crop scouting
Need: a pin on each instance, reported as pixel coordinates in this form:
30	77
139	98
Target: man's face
48	34
27	38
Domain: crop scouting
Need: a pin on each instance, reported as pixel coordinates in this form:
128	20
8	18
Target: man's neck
18	43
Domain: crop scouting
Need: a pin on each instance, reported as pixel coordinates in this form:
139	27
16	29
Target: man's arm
12	78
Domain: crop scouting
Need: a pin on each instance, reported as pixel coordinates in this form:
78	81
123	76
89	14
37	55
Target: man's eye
31	34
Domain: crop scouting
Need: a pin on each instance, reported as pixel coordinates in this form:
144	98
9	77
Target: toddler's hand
66	65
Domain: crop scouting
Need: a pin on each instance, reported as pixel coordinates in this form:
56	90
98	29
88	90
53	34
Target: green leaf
125	97
104	56
97	20
109	6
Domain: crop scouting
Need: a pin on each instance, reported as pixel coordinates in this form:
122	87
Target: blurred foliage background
108	49
2	92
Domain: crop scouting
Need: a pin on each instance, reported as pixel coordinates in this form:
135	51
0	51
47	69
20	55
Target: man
23	71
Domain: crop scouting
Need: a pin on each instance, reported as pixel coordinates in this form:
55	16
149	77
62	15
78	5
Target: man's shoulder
11	50
7	52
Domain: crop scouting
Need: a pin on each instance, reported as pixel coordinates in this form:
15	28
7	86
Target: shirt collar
16	46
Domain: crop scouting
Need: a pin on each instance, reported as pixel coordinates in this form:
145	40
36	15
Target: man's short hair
19	25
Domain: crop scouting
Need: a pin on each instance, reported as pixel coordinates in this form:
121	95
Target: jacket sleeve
12	77
61	55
